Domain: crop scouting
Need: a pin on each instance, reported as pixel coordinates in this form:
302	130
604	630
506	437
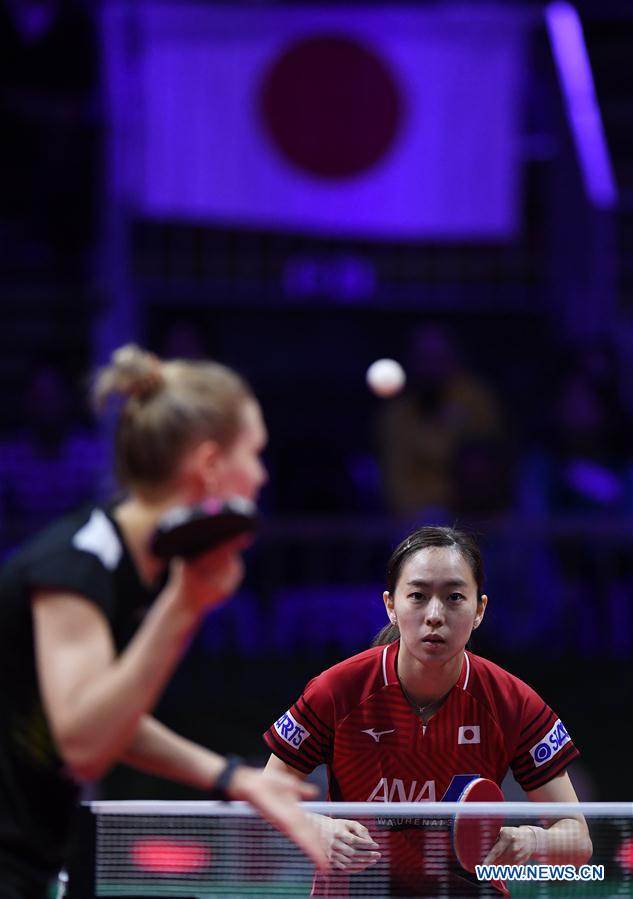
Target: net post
81	866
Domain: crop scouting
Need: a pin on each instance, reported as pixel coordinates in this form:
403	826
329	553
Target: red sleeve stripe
539	728
277	748
528	772
316	722
535	719
313	754
525	763
547	776
540	777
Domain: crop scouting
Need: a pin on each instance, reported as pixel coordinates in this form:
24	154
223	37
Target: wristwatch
220	788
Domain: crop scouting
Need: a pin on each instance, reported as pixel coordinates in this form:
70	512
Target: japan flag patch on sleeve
290	730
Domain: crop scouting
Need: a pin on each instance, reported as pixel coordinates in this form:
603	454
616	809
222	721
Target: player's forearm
158	750
566	840
105	712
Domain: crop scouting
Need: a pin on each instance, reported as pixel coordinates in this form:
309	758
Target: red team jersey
355	719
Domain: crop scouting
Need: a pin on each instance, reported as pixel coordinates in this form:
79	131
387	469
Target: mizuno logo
377	734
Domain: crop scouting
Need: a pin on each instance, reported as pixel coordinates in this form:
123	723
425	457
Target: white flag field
391	123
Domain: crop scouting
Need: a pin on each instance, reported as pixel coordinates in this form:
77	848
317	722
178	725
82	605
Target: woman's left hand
348	844
276	796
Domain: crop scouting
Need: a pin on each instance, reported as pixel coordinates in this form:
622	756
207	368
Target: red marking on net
163	856
474	835
624	855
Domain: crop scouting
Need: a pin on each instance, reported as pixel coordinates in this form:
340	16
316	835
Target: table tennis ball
385	377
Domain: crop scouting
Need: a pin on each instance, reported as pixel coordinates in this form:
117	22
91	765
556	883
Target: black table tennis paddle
189	531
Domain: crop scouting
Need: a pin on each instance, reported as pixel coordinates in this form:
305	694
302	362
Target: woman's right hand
348	844
208	580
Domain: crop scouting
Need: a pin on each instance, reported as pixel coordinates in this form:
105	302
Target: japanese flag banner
396	123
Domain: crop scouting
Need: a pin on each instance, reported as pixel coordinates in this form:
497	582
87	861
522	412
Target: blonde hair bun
167	405
132	372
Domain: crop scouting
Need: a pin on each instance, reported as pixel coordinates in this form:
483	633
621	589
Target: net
205	849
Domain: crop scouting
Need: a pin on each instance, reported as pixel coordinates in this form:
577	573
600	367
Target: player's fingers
356	842
242	543
291	787
360	835
518	848
276	796
218	576
357	828
351	868
354	834
340	849
360	844
230	575
358	861
303	832
345	854
306	790
232	547
500	846
351	850
214	562
299	828
226	582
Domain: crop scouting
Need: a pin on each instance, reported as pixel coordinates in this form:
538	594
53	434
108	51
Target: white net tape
205	849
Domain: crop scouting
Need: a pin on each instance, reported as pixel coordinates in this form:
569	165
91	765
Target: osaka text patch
550	744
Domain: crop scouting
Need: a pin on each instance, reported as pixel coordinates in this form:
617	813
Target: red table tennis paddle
189	531
474	835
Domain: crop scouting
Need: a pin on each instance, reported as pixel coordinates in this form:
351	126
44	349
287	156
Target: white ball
385	377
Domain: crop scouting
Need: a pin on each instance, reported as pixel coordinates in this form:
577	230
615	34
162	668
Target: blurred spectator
52	465
48	155
596	359
580	481
584	465
440	442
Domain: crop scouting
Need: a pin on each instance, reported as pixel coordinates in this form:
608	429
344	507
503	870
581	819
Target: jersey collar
389	656
389	674
464	675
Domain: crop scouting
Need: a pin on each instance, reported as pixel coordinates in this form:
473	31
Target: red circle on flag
469	733
331	106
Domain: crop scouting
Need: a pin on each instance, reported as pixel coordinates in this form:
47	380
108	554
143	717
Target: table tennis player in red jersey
416	717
